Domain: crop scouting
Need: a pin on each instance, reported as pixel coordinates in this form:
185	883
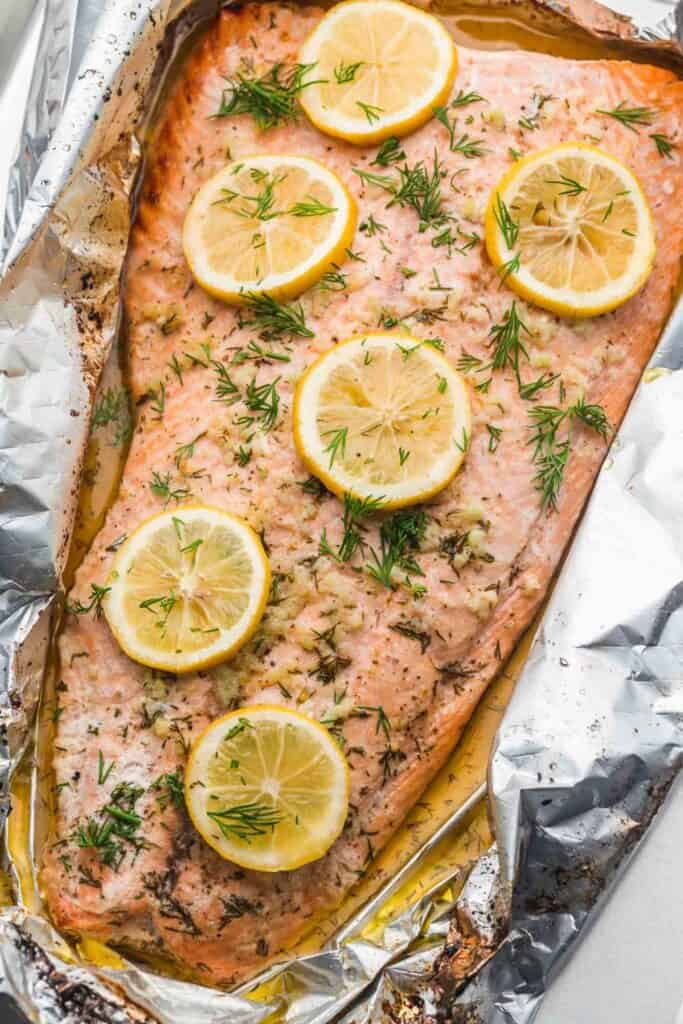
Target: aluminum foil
593	736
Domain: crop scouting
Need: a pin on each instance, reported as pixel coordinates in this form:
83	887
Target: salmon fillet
333	638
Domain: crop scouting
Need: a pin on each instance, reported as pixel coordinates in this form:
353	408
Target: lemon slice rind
434	416
230	765
423	45
130	587
220	238
566	300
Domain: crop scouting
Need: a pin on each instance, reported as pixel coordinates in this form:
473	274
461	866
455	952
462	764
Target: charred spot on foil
74	999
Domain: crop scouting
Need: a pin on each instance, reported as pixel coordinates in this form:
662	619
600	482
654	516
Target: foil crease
592	738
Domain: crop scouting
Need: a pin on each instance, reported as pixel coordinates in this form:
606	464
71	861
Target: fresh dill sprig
529	391
463	99
345	73
511	266
311	207
372	113
355	510
508	227
399	535
273	319
506	341
114	407
390	152
115	825
468	363
270	99
665	145
592	416
264	400
469	148
334	280
256	352
420	189
495	434
158	396
337	443
417	187
103	770
97	595
630	117
316	488
383	723
186	451
570	186
551	452
408	629
161	487
371	227
170	788
246	821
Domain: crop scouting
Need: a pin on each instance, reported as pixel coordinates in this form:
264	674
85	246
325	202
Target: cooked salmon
395	671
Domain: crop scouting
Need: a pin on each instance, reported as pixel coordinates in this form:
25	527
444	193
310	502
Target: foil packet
592	739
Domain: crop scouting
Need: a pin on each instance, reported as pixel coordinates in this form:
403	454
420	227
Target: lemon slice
571	230
267	788
270	224
384	415
384	64
187	589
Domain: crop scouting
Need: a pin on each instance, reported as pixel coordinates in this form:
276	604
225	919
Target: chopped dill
665	145
246	821
630	117
506	341
270	99
274	320
345	73
97	595
390	152
508	227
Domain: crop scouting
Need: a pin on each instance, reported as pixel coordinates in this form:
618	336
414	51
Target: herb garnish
245	821
118	820
114	407
345	73
97	595
270	99
508	346
169	786
469	148
400	534
264	400
337	443
161	487
570	186
390	152
274	320
355	509
665	145
417	188
372	113
508	227
630	117
408	629
552	452
383	723
463	99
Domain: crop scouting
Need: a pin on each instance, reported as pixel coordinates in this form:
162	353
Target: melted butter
464	771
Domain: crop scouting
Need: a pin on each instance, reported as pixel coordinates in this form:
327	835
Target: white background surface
629	968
